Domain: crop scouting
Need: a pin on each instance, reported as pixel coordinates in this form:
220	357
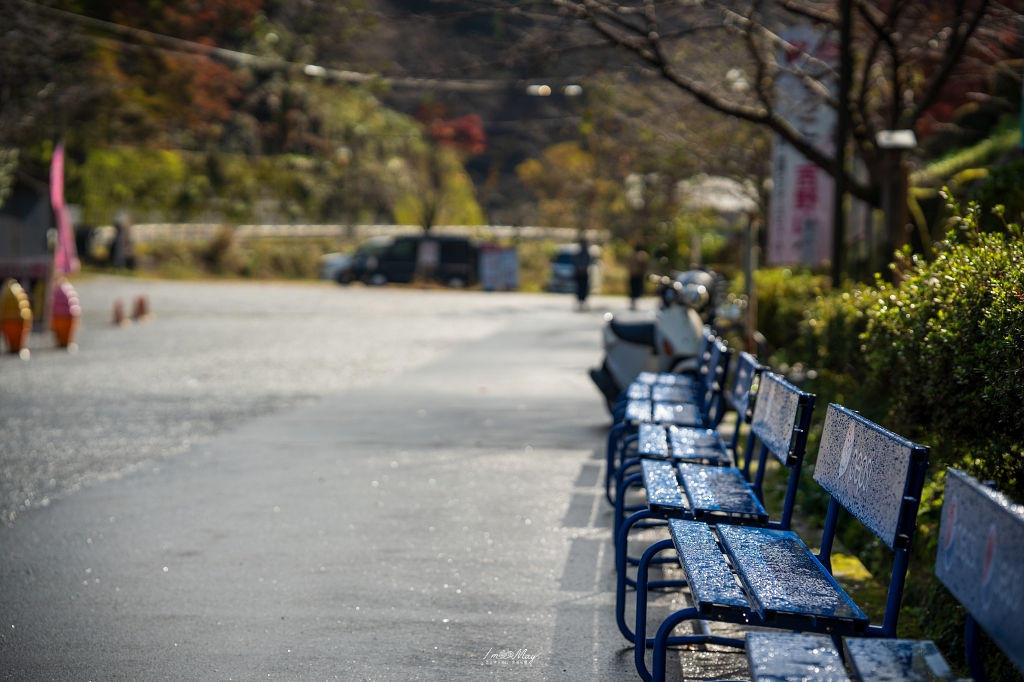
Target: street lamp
899	140
893	144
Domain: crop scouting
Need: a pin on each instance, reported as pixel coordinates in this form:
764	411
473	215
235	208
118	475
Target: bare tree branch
961	37
825	17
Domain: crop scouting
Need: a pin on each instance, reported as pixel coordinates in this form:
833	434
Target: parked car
563	269
393	259
332	264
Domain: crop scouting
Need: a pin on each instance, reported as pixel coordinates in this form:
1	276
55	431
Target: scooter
670	343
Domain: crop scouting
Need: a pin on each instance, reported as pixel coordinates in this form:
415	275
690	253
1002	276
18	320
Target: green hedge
939	358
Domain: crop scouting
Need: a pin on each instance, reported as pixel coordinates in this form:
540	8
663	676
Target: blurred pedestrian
123	248
637	265
582	261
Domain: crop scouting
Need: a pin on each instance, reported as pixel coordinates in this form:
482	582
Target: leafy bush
784	302
1004	185
939	358
946	348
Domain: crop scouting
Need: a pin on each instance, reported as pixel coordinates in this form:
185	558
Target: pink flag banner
800	215
65	255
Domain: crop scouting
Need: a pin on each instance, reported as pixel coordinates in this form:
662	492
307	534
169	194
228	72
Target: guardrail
199	232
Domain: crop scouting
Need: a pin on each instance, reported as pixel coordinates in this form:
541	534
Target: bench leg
620	494
622	580
620	569
663	640
613	437
975	664
640	634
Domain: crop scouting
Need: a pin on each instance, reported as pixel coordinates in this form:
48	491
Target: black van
393	259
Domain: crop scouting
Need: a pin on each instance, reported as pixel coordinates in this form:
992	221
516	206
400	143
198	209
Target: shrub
784	300
939	358
945	349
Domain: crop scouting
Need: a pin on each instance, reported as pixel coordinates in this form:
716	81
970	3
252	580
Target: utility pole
893	144
842	131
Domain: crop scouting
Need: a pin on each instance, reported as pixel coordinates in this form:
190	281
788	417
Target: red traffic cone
119	319
140	311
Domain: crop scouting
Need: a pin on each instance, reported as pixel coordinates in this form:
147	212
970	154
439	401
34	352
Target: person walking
637	265
582	262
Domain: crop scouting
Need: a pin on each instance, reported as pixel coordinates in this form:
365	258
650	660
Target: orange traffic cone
66	313
15	317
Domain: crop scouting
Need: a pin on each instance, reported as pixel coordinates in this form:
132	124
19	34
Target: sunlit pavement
373	484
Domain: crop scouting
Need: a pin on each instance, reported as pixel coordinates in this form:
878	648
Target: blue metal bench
678	488
705	409
768	577
699	445
980	561
640	389
691	444
695	446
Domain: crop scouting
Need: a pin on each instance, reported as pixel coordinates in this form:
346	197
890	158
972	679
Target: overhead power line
144	38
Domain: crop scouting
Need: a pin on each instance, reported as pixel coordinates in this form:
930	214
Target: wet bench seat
778	657
688	444
897	660
638	391
665	379
648	411
775	656
711	494
672	394
782	581
699	446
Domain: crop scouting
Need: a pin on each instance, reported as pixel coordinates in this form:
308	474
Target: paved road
372	485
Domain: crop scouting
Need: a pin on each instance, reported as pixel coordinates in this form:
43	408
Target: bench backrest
781	420
738	397
877	476
712	385
981	559
707	337
873	473
776	421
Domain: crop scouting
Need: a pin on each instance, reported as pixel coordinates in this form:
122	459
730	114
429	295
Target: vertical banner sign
65	255
800	218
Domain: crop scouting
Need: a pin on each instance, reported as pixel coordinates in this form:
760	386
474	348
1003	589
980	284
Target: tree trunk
892	181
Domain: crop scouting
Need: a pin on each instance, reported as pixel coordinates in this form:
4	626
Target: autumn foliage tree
434	175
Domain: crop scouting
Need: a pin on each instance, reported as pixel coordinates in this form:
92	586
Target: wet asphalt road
373	485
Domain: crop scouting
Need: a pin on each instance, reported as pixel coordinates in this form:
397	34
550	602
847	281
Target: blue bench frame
981	552
703	410
871	472
739	398
780	422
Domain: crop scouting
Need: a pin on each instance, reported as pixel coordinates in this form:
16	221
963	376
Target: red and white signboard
800	216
